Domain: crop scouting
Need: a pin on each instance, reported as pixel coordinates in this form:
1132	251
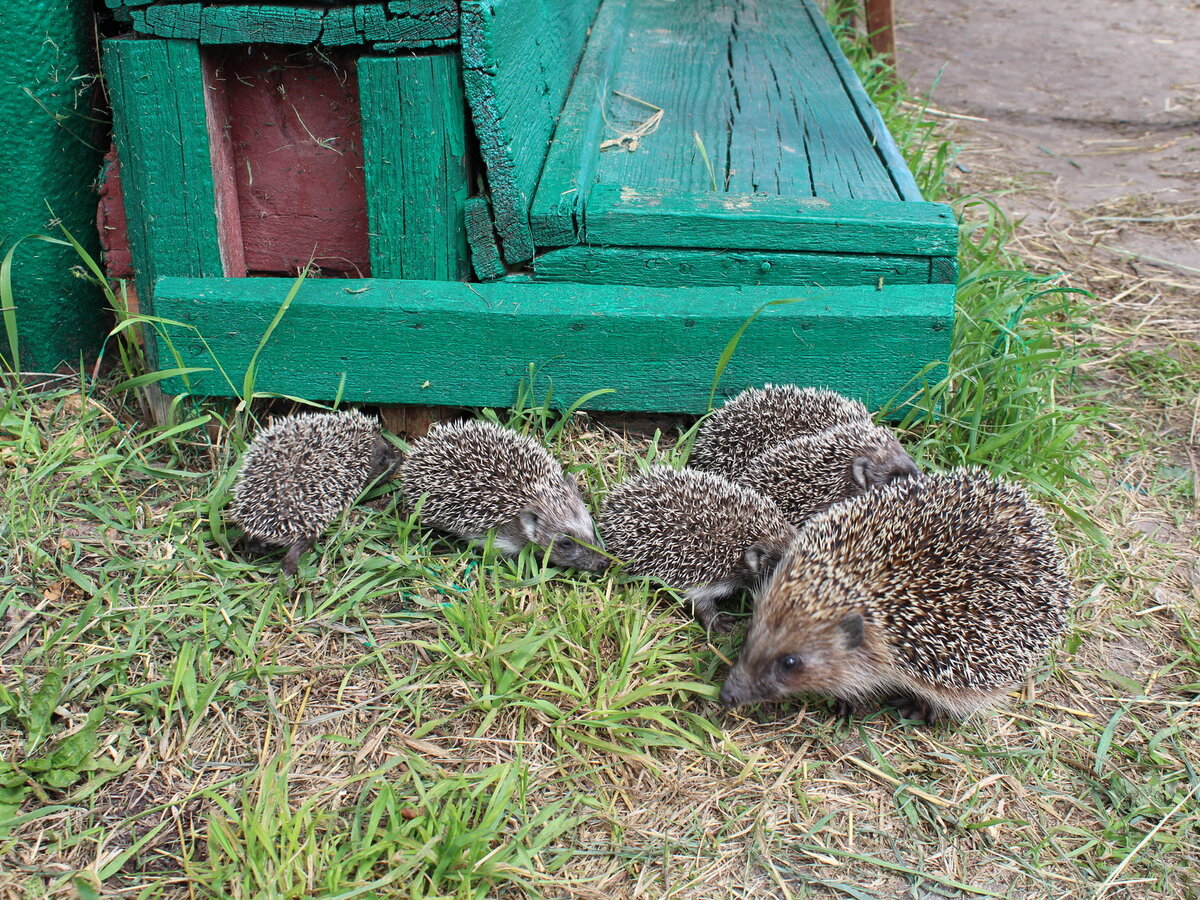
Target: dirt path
1093	105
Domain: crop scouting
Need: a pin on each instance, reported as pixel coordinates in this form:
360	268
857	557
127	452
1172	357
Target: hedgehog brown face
821	658
557	519
881	465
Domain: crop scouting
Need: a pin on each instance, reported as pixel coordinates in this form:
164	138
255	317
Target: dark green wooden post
50	160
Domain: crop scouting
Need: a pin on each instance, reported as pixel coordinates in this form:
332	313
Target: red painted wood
220	143
295	148
110	220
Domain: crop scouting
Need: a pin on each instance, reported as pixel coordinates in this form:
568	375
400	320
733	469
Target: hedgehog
301	473
940	592
759	418
697	531
472	477
807	474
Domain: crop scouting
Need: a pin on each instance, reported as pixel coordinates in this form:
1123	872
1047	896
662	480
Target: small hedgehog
694	530
476	476
301	473
943	590
759	418
806	475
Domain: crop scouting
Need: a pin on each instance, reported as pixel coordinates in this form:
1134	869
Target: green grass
415	718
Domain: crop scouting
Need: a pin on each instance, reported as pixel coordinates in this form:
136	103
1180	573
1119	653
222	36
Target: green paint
519	57
666	267
485	255
419	23
458	344
415	166
569	168
50	160
708	220
159	126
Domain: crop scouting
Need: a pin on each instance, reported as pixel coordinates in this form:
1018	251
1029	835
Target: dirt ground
1090	103
1082	118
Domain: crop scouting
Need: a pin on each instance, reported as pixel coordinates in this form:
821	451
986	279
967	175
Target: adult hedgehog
944	590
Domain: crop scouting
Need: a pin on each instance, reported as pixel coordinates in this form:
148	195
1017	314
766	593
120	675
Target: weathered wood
571	159
160	129
415	421
880	137
631	218
296	147
415	24
881	24
450	343
665	267
485	255
414	161
220	146
755	83
519	56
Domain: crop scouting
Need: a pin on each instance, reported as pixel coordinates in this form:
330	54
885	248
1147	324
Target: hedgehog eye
789	661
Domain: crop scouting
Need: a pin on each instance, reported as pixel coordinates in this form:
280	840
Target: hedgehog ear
761	558
852	626
528	520
861	469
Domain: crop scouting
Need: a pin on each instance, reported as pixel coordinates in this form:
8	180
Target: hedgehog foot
292	559
844	709
914	708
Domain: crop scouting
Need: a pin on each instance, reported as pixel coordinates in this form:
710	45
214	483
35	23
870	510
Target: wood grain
631	218
485	254
519	57
415	165
455	344
667	267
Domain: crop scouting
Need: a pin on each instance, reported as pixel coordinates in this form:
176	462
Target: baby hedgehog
944	590
476	476
694	530
759	418
806	475
301	473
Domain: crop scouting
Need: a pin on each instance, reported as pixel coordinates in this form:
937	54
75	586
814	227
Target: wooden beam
664	218
415	165
449	343
668	267
881	29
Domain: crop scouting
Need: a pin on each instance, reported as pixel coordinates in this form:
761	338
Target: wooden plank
296	144
417	23
755	83
630	218
665	267
881	27
882	139
415	165
519	57
485	254
220	145
160	129
569	169
456	344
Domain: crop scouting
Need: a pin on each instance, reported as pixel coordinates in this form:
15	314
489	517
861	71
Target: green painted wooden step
657	349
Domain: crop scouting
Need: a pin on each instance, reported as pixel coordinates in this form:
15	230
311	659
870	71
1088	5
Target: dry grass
413	718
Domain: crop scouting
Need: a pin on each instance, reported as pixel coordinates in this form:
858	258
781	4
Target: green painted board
760	89
568	172
666	267
419	23
450	343
519	57
485	254
160	129
415	165
631	218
